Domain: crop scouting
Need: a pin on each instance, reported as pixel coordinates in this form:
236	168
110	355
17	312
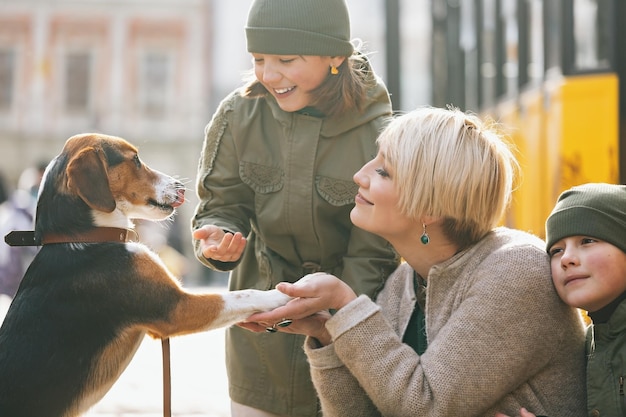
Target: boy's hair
596	210
338	93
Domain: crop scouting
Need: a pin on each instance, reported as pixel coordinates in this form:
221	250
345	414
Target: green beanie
594	210
299	27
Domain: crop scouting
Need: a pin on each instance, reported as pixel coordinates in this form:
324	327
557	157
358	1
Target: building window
155	80
7	75
535	66
510	47
592	34
77	81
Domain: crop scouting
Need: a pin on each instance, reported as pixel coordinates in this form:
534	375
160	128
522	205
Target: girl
275	185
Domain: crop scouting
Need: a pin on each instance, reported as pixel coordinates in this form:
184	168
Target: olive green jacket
284	180
606	366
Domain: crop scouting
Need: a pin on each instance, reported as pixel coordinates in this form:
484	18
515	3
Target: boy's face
588	273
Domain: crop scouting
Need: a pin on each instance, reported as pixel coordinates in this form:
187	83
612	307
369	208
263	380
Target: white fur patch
239	305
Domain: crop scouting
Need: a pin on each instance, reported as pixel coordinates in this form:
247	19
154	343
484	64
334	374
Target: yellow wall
566	134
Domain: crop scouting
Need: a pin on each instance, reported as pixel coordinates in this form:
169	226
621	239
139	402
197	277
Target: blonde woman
470	323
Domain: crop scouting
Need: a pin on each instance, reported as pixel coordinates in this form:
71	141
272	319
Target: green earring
425	238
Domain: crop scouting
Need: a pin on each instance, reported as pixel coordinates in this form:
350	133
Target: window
510	47
553	26
592	29
77	81
155	81
7	75
487	55
535	66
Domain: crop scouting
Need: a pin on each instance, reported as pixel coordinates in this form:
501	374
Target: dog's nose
180	197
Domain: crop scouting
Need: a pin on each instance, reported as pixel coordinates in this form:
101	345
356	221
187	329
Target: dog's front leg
199	312
239	305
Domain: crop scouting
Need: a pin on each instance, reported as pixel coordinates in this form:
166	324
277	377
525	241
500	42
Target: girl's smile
291	78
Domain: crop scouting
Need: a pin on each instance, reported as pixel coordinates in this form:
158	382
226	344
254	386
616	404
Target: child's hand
219	245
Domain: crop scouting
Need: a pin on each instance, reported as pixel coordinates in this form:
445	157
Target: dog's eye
137	161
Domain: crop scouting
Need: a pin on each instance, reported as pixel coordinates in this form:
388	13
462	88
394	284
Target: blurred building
137	69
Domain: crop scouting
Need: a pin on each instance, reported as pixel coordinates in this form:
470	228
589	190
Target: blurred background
552	72
154	72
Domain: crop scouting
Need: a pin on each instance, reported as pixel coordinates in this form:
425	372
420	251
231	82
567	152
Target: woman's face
376	209
290	78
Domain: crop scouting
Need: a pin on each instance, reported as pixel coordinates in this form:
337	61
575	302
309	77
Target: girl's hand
219	245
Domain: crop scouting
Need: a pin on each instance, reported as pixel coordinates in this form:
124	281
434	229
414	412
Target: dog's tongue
181	198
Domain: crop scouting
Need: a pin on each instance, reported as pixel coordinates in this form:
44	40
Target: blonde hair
450	164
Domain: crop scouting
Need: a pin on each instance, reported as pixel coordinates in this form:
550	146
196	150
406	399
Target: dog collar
97	235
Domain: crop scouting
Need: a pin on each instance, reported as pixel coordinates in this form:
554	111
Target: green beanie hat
594	210
299	27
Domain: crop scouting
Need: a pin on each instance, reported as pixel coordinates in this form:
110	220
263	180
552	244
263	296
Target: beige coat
285	181
499	338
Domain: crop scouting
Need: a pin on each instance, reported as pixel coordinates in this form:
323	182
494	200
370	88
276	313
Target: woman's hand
313	295
522	413
219	245
313	326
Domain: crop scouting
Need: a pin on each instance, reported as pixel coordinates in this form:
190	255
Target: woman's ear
428	220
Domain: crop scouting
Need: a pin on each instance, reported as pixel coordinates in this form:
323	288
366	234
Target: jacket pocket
335	191
262	179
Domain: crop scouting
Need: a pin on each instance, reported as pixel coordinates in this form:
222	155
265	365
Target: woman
470	324
275	185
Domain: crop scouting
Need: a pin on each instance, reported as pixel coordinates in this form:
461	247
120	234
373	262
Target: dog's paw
241	304
276	299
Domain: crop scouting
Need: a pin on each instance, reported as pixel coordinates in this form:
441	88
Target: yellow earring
334	70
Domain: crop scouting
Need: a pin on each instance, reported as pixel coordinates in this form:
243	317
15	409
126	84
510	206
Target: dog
91	294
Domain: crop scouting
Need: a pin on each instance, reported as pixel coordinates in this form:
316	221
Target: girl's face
290	78
588	273
376	208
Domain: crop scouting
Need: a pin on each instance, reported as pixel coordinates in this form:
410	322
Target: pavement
199	382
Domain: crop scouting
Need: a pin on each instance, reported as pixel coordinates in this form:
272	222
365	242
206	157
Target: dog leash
167	378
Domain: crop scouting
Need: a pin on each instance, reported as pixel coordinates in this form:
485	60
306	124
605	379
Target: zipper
621	394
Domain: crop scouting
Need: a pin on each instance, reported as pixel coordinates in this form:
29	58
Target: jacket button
309	267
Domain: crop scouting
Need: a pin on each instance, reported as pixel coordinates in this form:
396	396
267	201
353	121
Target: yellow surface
566	133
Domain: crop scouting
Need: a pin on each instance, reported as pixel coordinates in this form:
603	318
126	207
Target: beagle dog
92	293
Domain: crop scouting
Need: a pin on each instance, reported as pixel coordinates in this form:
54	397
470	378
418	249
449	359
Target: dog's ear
87	177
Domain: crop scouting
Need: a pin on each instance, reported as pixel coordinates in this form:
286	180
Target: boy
586	241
